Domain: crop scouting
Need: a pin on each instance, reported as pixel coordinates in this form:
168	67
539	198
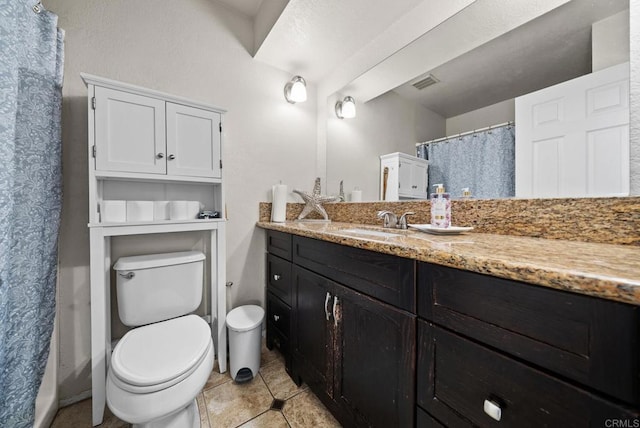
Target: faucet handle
402	223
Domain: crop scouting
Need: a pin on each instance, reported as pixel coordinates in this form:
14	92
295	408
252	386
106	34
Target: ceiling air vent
427	81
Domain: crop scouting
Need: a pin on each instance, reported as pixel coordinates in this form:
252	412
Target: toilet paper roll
139	210
193	208
113	211
279	204
356	196
178	210
161	210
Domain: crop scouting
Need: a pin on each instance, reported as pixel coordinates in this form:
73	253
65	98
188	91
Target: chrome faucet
389	218
402	223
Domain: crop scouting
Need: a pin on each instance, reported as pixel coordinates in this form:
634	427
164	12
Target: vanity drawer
279	243
278	315
592	341
279	277
388	278
468	376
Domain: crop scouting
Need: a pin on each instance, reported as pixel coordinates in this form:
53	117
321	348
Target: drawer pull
276	317
492	409
326	301
276	277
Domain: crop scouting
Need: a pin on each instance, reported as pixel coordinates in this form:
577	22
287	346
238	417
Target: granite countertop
602	270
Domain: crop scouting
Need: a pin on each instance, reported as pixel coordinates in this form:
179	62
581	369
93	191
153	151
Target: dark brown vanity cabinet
279	294
490	349
354	349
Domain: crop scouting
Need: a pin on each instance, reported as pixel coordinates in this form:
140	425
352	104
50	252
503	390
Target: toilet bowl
157	369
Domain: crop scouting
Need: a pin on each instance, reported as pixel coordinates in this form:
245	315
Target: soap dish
451	230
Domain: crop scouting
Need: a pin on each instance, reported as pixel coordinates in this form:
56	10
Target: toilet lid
161	353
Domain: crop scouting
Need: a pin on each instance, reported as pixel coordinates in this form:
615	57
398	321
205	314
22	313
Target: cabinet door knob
160	155
276	317
276	277
335	307
492	409
172	157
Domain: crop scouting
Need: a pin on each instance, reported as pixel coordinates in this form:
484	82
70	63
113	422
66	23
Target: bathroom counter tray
451	230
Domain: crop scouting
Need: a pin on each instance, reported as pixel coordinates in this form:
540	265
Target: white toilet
157	370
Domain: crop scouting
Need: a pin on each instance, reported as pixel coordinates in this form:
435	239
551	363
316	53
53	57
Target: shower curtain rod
486	128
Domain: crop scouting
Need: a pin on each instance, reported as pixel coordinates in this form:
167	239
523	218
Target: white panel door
129	132
193	142
572	139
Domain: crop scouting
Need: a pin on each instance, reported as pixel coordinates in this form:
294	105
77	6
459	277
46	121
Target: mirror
476	88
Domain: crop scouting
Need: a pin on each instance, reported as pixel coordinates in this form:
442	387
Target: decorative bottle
440	208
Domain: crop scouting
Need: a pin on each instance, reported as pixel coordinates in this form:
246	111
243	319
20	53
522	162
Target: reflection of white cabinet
145	145
143	134
406	177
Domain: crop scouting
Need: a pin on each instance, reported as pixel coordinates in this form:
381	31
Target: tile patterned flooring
223	403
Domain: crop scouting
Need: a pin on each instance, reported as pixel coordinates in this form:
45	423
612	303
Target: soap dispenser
440	208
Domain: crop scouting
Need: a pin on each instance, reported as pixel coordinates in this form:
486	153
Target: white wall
383	125
196	49
501	112
634	128
610	41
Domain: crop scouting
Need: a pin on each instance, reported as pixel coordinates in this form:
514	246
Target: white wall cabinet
407	177
145	145
143	134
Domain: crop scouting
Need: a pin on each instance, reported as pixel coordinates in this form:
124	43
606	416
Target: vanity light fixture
346	109
295	91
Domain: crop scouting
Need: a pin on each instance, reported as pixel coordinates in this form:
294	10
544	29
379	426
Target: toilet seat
160	355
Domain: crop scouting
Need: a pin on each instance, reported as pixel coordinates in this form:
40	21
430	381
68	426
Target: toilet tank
157	287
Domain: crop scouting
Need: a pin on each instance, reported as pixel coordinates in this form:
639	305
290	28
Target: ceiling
336	43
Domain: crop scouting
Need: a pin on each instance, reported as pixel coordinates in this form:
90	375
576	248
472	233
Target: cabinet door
129	132
193	141
311	332
404	177
419	180
374	361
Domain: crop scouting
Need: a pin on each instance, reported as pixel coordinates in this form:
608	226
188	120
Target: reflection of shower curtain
483	161
30	200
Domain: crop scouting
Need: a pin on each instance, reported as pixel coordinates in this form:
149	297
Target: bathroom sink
369	232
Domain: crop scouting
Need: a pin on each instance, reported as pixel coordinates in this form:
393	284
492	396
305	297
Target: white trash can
245	335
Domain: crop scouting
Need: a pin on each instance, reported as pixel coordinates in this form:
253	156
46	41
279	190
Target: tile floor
223	403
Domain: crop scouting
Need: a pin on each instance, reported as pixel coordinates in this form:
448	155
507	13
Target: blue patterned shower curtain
31	56
483	161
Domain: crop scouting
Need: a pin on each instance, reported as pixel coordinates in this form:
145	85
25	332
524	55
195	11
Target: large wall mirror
475	88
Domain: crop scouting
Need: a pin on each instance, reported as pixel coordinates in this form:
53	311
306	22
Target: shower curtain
482	161
31	56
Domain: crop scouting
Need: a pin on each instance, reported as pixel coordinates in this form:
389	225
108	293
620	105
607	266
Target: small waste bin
245	332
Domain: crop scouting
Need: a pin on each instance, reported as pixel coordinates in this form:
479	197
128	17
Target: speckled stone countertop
602	270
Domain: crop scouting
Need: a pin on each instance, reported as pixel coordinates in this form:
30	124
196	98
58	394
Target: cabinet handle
335	306
127	275
172	157
276	317
326	301
276	277
160	155
492	409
